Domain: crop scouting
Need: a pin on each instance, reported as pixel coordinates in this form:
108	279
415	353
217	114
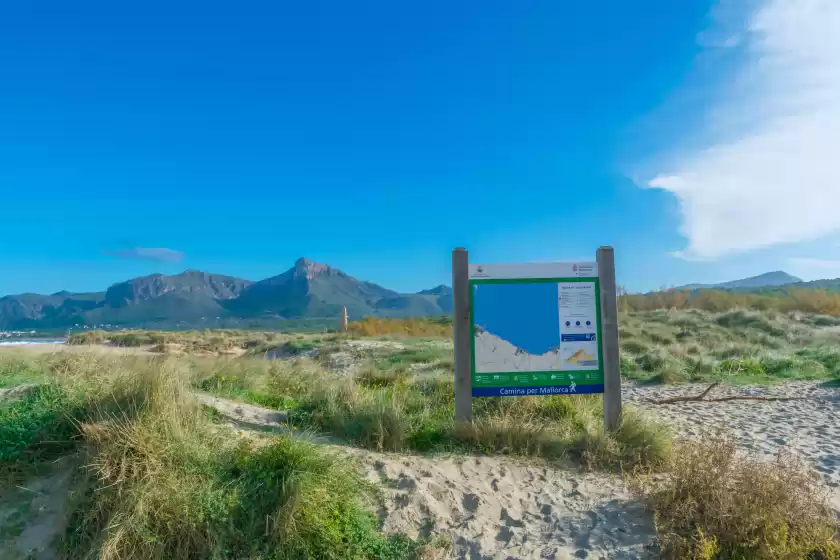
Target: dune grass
736	347
385	407
711	502
161	480
416	327
210	342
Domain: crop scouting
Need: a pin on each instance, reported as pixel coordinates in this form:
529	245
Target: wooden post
609	333
461	336
344	319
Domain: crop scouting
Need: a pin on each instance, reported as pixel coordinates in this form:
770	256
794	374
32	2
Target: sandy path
809	427
501	508
245	413
492	507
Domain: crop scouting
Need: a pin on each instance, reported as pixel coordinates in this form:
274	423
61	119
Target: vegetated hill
40	311
308	290
831	285
768	279
435	301
150	299
135	291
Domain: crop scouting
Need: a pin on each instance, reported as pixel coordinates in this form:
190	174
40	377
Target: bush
740	367
422	327
88	337
634	346
714	503
39	422
746	319
785	300
372	376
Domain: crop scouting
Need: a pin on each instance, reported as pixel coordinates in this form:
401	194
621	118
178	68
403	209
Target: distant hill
768	279
308	290
832	285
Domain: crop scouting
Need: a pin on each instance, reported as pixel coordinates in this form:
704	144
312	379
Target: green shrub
741	319
87	337
740	366
39	422
372	376
827	357
824	321
634	346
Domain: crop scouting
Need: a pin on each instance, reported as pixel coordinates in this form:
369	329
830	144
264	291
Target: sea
31	342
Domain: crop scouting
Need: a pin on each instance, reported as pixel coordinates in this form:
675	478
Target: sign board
535	329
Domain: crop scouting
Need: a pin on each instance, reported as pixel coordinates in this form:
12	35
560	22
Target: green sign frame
549	382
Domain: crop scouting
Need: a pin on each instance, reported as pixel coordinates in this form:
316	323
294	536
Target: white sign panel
533	270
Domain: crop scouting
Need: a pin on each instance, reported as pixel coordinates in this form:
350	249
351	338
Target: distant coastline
32	341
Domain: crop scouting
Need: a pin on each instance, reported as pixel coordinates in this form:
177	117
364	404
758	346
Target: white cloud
159	254
772	175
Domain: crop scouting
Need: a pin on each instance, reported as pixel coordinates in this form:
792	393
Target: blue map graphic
526	315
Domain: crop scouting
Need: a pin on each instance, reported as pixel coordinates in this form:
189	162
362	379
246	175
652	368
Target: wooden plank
609	332
461	335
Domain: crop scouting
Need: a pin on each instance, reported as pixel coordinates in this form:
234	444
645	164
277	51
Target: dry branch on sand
702	397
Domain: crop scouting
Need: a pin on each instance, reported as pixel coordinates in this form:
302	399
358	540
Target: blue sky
698	139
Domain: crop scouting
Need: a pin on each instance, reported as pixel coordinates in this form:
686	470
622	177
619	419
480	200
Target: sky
699	138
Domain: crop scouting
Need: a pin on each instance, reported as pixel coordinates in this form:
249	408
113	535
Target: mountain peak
310	269
441	290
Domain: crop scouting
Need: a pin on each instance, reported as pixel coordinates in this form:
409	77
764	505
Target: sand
809	427
33	516
501	508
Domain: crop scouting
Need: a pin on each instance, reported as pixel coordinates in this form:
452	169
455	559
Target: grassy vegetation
821	301
190	342
419	327
162	481
735	346
385	407
18	371
711	502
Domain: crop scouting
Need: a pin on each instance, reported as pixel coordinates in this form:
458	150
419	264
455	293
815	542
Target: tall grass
194	342
734	346
162	481
420	327
803	300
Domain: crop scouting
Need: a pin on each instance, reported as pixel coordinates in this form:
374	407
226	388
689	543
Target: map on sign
536	329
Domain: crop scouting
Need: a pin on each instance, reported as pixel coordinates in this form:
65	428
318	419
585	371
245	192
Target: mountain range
307	294
766	280
194	298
